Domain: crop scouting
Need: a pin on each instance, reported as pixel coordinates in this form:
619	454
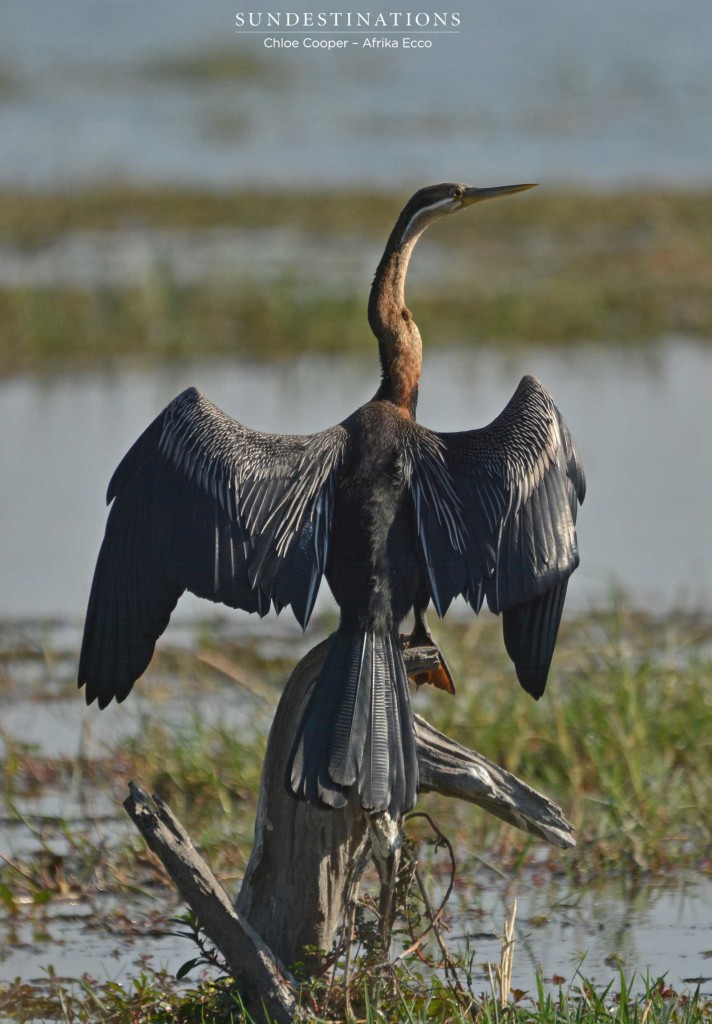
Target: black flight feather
516	485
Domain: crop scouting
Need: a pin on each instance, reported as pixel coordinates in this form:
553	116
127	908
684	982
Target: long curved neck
399	342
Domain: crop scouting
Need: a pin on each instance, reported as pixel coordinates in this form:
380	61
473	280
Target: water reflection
661	928
641	422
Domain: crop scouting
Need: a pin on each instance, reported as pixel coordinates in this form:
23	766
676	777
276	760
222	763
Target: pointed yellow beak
476	195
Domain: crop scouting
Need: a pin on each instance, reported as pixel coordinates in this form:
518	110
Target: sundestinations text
346	19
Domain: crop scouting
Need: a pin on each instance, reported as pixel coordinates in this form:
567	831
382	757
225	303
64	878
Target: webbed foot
440	677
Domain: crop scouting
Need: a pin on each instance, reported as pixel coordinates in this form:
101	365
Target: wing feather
503	526
203	503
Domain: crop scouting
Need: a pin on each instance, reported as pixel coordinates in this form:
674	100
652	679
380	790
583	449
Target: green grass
624	268
622	738
209	776
655	223
38	218
52	328
154	998
623	685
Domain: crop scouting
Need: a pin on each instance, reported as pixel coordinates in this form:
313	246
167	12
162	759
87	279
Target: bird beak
476	195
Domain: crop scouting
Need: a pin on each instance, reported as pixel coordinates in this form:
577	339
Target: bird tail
357	728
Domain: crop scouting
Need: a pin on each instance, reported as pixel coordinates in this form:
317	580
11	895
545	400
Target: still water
601	94
564	935
641	421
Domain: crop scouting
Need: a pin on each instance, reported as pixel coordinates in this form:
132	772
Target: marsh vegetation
624	685
617	269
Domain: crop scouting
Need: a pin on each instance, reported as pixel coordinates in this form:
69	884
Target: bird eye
457	192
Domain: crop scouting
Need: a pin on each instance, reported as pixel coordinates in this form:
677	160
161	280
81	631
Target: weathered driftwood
447	767
301	870
264	980
306	862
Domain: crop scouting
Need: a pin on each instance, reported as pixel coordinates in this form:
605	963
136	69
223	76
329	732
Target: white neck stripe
410	230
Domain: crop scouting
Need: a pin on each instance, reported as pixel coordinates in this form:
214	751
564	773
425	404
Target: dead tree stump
306	862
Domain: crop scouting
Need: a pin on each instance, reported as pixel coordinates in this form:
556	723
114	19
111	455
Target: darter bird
394	514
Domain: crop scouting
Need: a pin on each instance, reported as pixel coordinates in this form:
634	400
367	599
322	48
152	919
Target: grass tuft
622	737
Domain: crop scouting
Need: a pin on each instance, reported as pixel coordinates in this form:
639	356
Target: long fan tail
357	728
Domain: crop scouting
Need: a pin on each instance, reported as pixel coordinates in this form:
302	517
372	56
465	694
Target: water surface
641	421
600	94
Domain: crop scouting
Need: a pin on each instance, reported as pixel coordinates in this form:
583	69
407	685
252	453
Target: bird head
435	201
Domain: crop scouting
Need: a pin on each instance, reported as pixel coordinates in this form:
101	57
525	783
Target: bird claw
439	677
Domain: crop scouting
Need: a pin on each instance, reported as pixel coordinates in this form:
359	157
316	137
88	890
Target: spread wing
496	512
202	503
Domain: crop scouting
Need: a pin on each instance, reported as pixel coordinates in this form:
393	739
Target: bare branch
263	980
448	768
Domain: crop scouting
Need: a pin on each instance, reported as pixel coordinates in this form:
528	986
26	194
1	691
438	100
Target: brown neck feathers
399	342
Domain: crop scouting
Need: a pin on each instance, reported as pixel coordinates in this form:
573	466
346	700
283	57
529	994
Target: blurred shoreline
152	274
